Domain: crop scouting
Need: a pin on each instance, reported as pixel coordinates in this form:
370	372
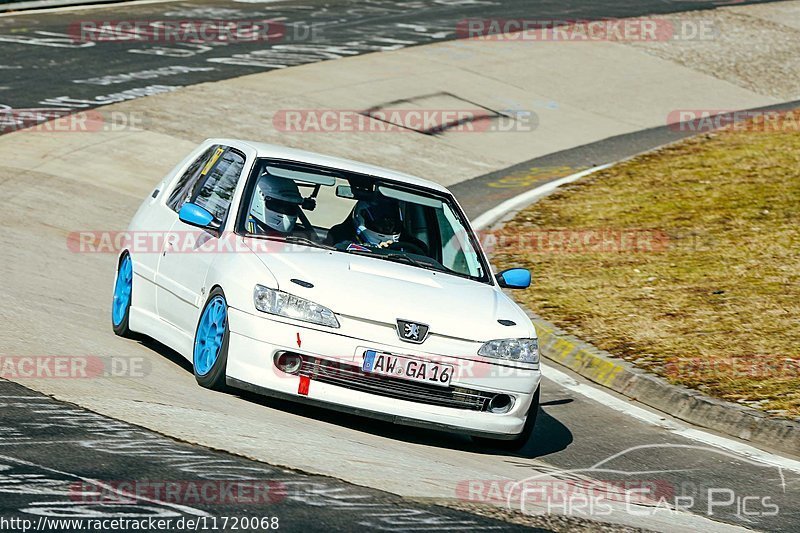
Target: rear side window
218	182
186	184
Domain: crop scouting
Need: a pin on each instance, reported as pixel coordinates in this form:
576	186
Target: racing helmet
377	221
275	202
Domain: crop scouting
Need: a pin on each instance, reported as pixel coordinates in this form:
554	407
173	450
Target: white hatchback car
317	279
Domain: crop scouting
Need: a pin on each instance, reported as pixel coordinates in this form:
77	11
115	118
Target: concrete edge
602	368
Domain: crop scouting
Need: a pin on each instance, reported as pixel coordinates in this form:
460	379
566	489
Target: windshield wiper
292	239
399	258
295	239
402	258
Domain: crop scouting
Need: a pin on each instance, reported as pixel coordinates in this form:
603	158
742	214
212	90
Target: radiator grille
352	377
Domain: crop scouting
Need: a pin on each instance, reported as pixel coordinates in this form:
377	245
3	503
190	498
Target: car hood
383	291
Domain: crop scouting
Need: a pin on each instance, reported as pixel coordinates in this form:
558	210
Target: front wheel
121	304
211	339
520	440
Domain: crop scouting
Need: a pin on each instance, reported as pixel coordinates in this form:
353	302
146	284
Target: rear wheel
123	290
520	440
210	355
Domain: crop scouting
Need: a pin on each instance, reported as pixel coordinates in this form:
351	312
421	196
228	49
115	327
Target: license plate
397	366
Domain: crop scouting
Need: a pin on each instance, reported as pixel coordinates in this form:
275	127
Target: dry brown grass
716	307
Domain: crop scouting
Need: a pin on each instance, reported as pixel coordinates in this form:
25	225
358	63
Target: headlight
291	306
524	350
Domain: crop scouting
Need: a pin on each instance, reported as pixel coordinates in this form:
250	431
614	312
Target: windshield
361	215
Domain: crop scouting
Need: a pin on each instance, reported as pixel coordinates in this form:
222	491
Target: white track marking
86	7
657	419
10	442
626	406
94	482
496	213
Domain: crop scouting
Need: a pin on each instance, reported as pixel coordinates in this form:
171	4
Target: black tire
519	441
215	377
123	329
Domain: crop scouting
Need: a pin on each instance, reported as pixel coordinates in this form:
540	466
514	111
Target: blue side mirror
194	215
514	278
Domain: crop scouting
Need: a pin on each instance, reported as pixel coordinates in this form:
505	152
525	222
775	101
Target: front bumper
255	339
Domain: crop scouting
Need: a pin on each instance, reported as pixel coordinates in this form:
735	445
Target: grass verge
684	261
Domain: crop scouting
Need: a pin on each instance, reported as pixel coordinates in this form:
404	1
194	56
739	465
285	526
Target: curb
604	369
681	402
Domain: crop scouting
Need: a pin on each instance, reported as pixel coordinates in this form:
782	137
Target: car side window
186	184
218	179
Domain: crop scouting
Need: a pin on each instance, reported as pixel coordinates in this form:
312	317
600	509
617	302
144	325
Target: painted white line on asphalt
658	420
79	7
625	406
112	490
17	442
496	213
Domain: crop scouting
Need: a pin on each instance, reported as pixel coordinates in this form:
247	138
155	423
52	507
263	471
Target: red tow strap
302	388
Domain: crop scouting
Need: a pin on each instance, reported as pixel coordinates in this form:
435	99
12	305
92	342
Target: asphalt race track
67	461
43	65
54	450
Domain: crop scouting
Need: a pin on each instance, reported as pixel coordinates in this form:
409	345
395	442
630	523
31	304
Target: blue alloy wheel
210	335
121	304
122	291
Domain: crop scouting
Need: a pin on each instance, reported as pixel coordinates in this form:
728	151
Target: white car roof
293	154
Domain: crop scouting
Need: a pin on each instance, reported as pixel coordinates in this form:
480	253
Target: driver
376	223
275	205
